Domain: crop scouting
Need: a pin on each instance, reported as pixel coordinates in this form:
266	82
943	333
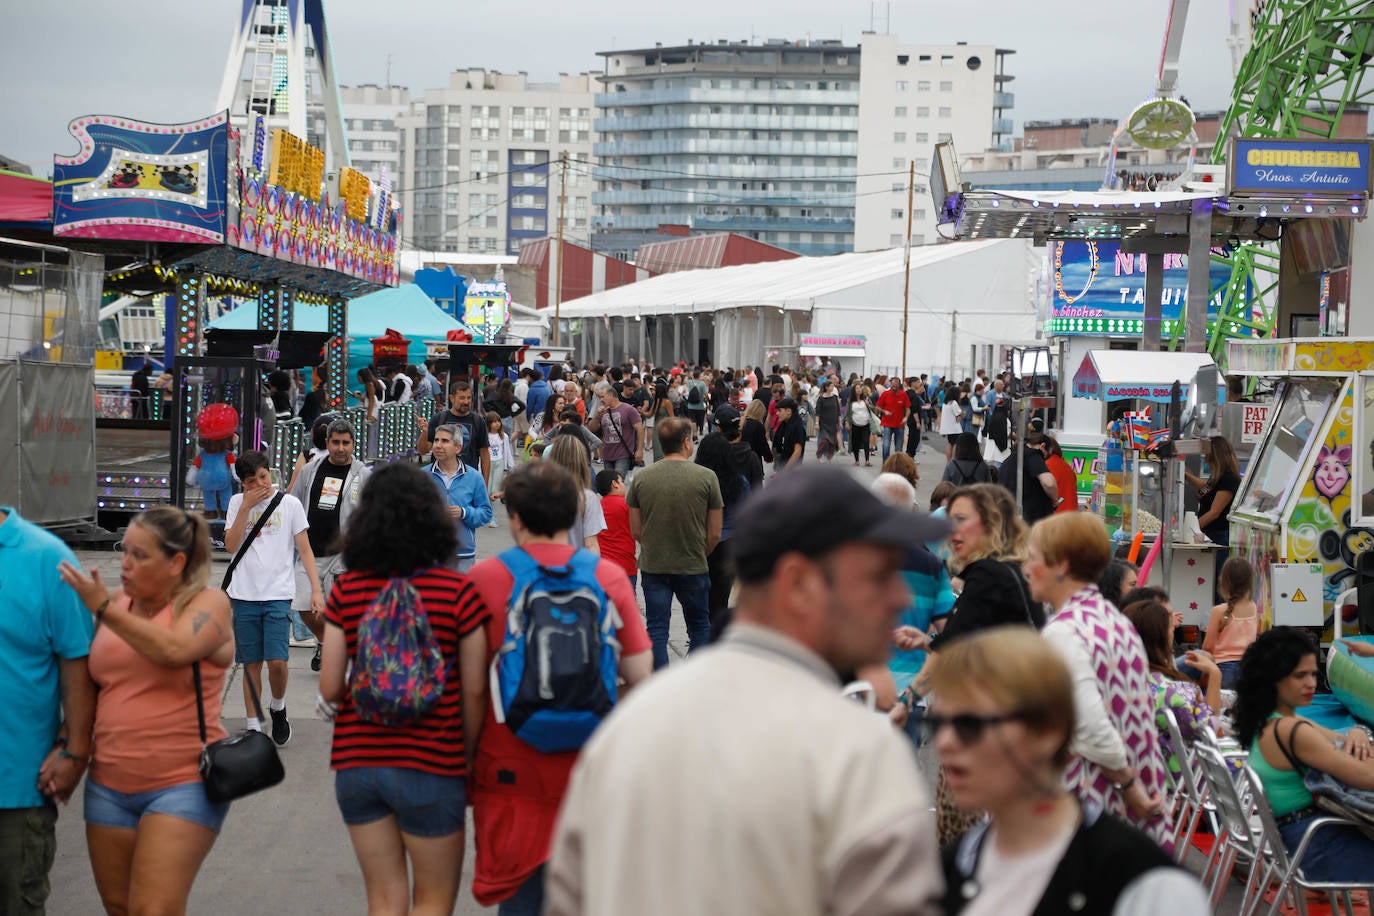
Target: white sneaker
494	524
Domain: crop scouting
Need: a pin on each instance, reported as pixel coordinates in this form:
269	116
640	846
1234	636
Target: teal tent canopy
403	308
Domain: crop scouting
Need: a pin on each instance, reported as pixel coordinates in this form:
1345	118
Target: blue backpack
399	670
554	677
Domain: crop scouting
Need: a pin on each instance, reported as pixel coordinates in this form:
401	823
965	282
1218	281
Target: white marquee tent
962	294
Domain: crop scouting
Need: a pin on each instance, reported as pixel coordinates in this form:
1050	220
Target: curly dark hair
1269	659
397	500
1109	584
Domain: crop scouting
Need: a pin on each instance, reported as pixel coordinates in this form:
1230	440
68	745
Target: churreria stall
1304	516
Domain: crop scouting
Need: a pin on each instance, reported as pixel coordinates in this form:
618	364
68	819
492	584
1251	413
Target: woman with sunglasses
1117	765
149	825
1002	723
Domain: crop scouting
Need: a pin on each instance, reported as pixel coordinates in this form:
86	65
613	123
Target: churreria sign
1324	168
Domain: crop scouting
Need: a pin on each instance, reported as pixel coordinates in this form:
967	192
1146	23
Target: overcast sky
159	60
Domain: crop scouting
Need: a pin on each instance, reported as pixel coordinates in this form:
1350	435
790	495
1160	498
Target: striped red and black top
435	743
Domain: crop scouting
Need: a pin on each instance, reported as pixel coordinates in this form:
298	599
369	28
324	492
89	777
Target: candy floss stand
1139	492
1304	516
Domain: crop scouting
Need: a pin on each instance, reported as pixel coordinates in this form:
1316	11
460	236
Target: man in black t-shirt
476	452
1040	493
789	442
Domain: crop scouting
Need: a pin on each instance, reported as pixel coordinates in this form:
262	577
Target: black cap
812	511
726	414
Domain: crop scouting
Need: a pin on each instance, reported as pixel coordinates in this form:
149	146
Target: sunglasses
968	728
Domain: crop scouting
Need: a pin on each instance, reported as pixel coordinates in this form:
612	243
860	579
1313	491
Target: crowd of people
997	628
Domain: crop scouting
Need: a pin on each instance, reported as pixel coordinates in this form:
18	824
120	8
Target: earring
1059	577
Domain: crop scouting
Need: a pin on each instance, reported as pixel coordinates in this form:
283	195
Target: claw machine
1305	510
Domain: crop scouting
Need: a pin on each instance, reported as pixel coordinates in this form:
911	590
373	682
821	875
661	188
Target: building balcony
701	95
702	171
698	121
1001	125
685	146
770	224
1004	100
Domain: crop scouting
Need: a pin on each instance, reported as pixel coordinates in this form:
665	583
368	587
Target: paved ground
286	850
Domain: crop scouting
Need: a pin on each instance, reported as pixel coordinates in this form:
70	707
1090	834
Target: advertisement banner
1100	290
843	341
486	310
1323	168
56	442
150	182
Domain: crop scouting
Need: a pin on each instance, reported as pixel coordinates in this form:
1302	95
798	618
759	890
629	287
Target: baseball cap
726	414
814	510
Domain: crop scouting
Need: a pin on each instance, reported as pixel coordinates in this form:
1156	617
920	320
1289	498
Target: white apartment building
479	162
374	140
912	96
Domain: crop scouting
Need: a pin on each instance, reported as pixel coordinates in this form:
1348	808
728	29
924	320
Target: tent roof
791	284
1114	374
404	308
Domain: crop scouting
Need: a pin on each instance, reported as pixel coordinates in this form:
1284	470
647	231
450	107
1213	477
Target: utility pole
953	340
558	280
906	284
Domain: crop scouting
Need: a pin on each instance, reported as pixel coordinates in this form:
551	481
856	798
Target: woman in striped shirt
401	788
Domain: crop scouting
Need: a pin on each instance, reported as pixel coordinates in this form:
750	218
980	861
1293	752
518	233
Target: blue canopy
403	308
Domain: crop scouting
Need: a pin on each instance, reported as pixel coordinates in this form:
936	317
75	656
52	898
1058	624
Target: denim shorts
262	630
424	805
107	808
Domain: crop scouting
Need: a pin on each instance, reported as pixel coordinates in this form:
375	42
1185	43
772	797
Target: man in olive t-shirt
675	513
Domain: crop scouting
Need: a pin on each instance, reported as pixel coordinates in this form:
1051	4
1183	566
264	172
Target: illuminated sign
1324	168
845	341
354	189
296	166
148	182
1100	289
486	310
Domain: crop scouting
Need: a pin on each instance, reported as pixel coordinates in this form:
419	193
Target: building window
898	187
899	136
945	137
899	111
903	59
923	111
902	85
922	137
944	111
898	163
923	86
895	240
918	214
898	213
946	85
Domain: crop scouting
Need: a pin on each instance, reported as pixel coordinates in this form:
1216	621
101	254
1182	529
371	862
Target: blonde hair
1077	538
180	532
569	453
1004	533
1018	671
755	411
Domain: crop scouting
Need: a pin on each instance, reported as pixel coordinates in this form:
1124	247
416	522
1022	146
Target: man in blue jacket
538	395
463	489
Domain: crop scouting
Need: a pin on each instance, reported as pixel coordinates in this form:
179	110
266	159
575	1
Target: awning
832	345
1110	375
832	351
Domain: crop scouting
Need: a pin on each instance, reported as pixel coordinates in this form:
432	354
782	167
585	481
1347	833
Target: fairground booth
187	212
1148	295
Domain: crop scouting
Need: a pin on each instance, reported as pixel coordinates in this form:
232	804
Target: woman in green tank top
1278	675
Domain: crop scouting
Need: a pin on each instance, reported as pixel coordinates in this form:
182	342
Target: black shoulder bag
245	762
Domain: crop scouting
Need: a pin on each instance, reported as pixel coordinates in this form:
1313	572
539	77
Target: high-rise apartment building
798	144
758	139
480	165
912	96
374	140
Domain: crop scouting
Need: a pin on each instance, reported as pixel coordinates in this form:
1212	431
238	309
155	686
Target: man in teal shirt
48	707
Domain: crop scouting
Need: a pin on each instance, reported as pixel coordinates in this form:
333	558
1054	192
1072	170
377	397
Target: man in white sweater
742	782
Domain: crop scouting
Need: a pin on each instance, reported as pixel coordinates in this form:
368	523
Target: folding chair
1189	802
1237	837
1286	868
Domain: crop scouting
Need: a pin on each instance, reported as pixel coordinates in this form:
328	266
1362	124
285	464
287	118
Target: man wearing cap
1033	479
781	796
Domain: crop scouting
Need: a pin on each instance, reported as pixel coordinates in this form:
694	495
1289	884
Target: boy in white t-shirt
264	584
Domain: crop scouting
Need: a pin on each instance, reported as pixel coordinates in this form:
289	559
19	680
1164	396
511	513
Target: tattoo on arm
201	620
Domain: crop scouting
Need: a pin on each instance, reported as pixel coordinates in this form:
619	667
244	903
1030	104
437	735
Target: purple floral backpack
399	671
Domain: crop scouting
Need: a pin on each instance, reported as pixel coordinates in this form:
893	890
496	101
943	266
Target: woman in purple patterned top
1172	689
1117	764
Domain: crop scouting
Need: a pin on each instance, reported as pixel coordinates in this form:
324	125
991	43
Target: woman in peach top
149	825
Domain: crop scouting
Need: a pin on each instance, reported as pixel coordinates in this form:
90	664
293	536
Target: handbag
243	548
247	761
1329	793
243	763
